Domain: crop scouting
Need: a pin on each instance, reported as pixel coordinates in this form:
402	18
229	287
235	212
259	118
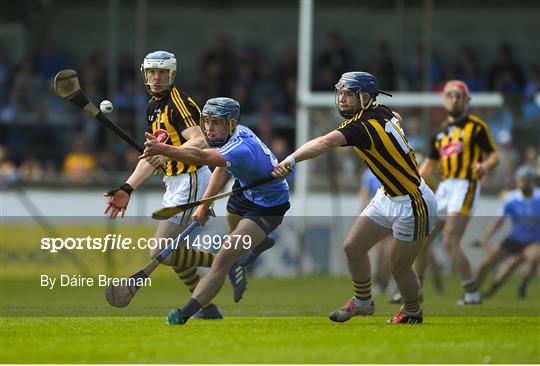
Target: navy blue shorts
268	218
513	246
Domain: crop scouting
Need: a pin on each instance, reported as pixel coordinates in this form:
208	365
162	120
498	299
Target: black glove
124	187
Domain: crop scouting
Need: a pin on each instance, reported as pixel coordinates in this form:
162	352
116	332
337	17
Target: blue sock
190	309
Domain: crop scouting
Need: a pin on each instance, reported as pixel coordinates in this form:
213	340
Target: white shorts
184	188
410	217
458	196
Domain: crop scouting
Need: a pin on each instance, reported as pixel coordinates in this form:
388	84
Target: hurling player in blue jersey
254	213
522	206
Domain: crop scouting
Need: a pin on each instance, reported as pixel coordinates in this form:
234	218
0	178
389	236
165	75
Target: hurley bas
101	281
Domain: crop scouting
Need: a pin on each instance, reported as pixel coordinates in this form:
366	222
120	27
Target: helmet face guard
224	109
159	60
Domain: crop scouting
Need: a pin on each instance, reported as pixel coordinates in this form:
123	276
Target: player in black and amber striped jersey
465	151
173	118
168	117
404	207
376	136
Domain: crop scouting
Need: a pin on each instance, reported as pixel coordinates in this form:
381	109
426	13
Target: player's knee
352	249
532	253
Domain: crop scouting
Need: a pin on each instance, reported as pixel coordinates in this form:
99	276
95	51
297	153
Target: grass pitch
279	321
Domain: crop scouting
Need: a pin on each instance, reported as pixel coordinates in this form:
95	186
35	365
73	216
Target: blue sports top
370	181
525	215
248	160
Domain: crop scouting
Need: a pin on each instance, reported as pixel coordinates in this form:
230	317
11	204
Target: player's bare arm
428	168
119	198
481	169
187	154
195	137
492	229
217	182
309	150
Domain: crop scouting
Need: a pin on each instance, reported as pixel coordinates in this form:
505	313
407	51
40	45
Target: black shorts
513	246
268	218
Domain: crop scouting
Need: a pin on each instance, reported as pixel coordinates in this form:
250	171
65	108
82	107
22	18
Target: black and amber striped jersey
377	137
459	144
167	117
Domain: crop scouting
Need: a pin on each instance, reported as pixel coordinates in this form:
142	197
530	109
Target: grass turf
279	321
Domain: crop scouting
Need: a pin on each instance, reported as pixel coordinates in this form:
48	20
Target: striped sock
470	286
188	276
411	307
362	290
187	257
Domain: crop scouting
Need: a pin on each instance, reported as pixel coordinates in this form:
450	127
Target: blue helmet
358	82
226	108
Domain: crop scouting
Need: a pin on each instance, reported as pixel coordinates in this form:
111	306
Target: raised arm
309	150
188	154
195	137
492	229
481	169
428	167
217	182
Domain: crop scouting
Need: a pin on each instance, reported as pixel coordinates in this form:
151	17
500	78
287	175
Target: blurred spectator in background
29	84
506	75
246	75
99	65
4	72
384	66
48	60
129	97
217	68
467	70
44	144
423	70
265	130
13	107
413	132
499	119
126	70
324	80
503	175
264	83
105	166
287	65
531	110
530	157
31	170
286	76
79	165
267	88
334	59
280	148
8	168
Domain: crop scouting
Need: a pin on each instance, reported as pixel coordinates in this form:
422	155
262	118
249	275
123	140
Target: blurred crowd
44	138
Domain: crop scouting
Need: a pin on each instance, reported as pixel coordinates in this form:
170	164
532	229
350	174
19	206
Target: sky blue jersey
525	215
370	180
248	160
